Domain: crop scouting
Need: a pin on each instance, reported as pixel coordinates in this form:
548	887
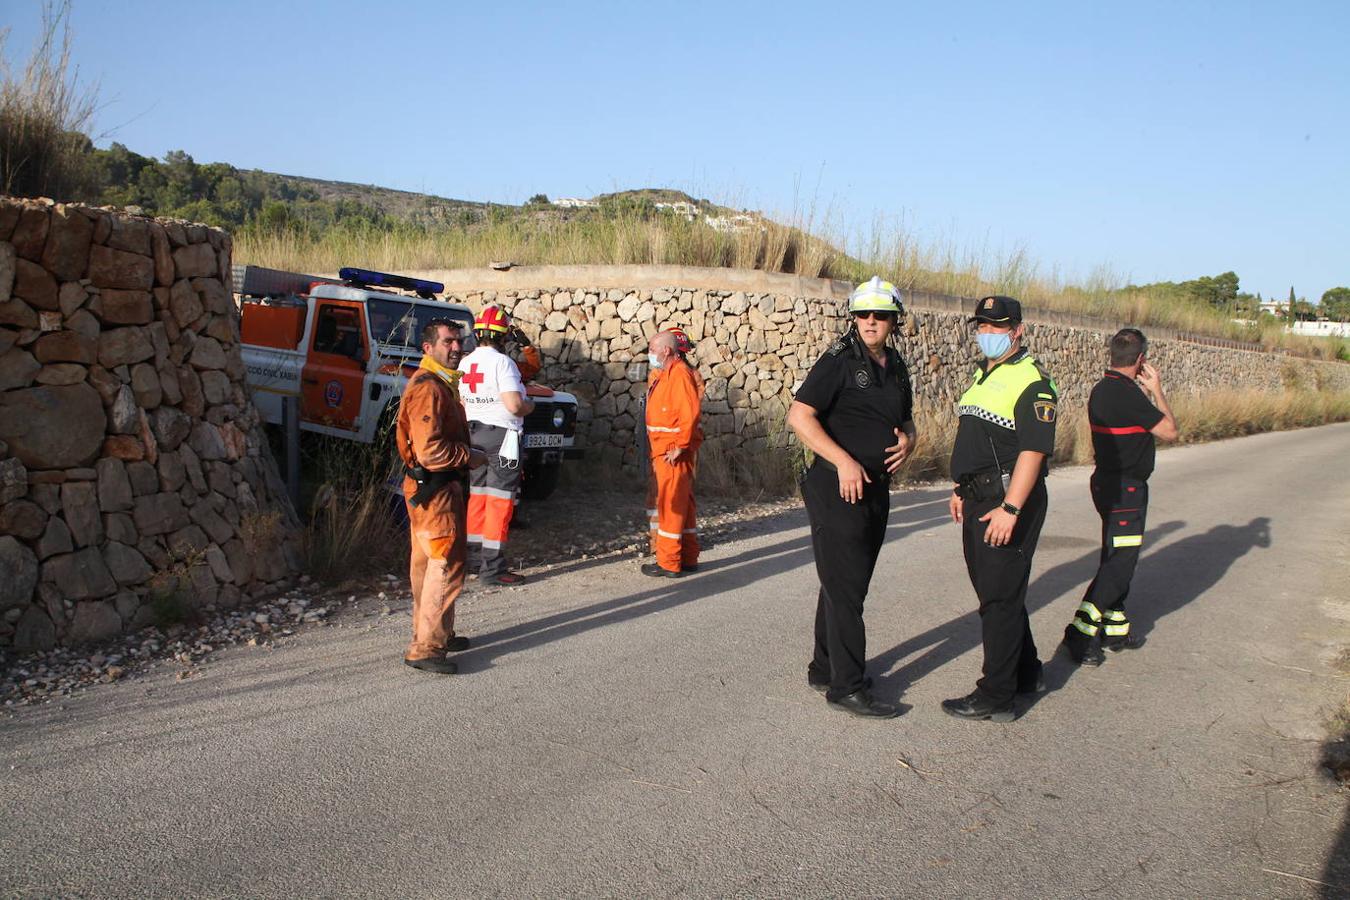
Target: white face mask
653	360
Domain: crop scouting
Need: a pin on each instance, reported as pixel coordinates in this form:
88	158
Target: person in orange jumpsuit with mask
673	439
432	439
684	347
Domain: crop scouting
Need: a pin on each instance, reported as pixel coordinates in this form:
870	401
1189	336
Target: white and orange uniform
673	404
487	374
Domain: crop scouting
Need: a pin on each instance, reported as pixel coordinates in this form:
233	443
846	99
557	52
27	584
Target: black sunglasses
879	315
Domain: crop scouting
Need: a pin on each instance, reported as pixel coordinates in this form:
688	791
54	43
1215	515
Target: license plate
543	440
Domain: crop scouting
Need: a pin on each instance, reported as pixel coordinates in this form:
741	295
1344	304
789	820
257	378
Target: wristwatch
1009	508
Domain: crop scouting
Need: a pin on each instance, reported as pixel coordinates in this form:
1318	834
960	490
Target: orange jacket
432	430
529	363
673	400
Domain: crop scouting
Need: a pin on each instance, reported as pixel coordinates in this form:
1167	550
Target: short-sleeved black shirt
1122	419
979	443
859	403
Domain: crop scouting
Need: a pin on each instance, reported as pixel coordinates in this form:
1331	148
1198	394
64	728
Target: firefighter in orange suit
433	440
530	361
684	347
673	438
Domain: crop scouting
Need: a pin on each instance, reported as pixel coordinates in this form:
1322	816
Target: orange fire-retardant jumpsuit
673	401
529	363
433	433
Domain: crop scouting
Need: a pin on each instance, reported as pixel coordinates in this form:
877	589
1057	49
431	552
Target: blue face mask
994	345
653	360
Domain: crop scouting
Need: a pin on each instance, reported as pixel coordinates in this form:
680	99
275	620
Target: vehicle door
332	381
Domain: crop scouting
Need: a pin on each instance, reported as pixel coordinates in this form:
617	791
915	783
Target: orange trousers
436	569
676	529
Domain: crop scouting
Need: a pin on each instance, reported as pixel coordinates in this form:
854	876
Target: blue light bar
367	278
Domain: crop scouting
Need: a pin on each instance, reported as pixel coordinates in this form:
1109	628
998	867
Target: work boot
823	685
657	571
977	706
438	665
1128	642
860	703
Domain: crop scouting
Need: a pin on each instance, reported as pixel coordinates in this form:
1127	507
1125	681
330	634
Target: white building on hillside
574	203
1320	329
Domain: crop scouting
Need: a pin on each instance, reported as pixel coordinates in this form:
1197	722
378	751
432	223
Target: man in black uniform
1124	424
855	412
1005	435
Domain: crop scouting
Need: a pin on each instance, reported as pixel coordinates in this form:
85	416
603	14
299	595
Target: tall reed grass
44	116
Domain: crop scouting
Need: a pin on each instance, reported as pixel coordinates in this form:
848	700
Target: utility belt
984	486
430	483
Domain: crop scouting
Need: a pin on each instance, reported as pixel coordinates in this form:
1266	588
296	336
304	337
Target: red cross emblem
472	378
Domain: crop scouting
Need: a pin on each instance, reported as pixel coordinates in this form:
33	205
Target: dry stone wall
133	469
758	334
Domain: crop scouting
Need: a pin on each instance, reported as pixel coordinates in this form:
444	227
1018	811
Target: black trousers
999	576
1122	504
846	538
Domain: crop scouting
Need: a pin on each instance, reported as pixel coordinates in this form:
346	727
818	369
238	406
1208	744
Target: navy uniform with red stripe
1122	419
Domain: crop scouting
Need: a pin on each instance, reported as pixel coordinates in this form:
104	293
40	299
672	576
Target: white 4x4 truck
346	347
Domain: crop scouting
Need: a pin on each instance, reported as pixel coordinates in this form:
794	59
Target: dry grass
44	115
354	525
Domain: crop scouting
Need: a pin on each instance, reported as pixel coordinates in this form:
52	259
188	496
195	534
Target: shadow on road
911	511
1166	581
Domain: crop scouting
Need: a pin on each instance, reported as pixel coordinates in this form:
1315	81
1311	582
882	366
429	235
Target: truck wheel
540	481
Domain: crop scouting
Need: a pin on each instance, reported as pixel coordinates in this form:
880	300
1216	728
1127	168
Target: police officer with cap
855	412
1004	438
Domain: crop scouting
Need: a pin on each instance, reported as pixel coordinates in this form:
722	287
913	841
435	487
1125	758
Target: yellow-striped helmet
876	296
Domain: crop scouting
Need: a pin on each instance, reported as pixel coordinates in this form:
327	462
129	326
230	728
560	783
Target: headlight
559	417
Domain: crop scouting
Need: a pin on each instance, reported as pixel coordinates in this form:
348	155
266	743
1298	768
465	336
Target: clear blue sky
1162	140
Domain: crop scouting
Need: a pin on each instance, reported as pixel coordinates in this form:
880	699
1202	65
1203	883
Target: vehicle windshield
399	324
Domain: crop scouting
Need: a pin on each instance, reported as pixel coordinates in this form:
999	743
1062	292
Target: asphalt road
612	735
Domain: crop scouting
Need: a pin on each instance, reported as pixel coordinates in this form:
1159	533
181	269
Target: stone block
124	447
8	270
214	297
127	566
184	304
124	416
82	575
13	480
159	514
94	623
132	235
62	374
145	385
53	427
127	308
34	632
35	286
171	427
194	260
207	354
66	251
23	519
18	369
187	543
79	507
16	313
83	322
143	477
124	346
113	268
163	255
119	527
114	486
30	234
219	563
211	522
65	347
18	573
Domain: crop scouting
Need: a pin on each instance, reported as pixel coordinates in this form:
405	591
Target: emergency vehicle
346	347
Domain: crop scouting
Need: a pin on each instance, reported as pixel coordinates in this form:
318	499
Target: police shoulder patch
1045	410
862	379
837	347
